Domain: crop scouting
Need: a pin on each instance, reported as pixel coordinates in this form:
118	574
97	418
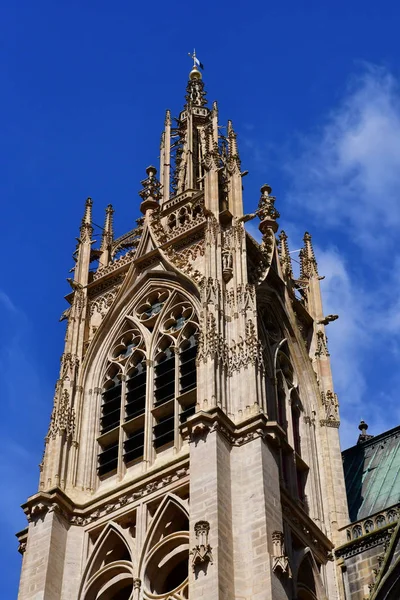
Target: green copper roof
372	474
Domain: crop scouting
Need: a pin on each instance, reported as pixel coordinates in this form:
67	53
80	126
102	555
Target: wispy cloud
7	303
347	173
25	399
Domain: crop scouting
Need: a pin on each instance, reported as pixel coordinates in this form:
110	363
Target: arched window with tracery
123	403
174	372
149	386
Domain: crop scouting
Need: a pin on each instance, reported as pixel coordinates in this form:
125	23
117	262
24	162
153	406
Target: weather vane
196	62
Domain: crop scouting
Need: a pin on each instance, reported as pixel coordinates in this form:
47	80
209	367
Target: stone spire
107	238
165	158
83	251
235	195
308	263
284	255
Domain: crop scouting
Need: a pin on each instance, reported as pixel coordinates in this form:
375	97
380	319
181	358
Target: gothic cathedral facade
193	449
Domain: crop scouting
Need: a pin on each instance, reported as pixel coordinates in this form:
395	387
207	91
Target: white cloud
8	304
348	171
345	175
346	336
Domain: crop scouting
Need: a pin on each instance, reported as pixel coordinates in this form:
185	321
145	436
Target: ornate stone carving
103	303
63	416
69	366
247	351
151	186
116	264
202	551
331	405
280	562
211	343
129	498
227	265
322	345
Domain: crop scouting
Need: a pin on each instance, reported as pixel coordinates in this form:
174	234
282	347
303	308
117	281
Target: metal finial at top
195	73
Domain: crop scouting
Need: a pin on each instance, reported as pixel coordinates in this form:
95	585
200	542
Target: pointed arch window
165	560
123	404
289	411
109	571
146	396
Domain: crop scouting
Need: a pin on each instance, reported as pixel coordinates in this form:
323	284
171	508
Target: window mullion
121	432
148	454
176	403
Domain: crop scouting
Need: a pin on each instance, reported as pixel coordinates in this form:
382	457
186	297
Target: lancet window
149	387
290	411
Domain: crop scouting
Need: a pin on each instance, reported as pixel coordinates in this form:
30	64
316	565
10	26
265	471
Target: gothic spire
308	263
165	157
83	250
107	238
86	229
234	175
284	254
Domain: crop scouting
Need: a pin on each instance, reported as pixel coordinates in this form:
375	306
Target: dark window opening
164	431
108	459
123	594
187	366
296	430
300	485
111	408
187	412
281	406
136	392
164	381
134	446
177	575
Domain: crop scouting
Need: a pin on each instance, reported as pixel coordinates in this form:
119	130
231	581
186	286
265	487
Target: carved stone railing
116	264
372	523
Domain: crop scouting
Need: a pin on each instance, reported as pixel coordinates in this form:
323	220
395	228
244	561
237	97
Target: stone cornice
372	522
55	500
305	528
202	423
370	540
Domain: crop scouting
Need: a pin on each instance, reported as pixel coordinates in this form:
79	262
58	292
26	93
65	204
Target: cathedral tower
193	448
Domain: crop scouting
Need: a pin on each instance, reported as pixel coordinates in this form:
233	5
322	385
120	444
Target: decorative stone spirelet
280	562
202	552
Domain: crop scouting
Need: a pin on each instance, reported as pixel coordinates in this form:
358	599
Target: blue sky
313	90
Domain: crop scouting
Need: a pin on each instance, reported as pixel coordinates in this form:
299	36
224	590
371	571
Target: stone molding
381	536
305	528
55	500
201	424
372	523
